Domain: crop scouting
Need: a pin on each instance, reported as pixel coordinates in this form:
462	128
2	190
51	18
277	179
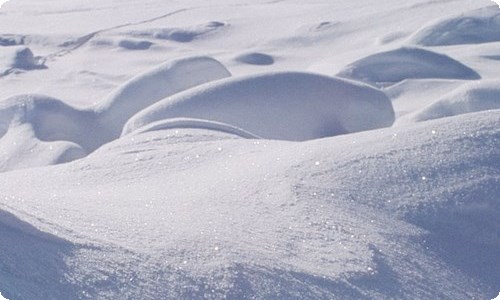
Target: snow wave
155	84
478	26
62	133
472	97
287	106
405	63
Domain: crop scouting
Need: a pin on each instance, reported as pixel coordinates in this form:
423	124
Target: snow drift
61	132
472	97
162	81
478	26
406	63
17	58
389	216
286	106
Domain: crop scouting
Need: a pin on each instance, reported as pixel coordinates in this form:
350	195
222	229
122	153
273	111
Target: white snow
472	97
477	26
286	106
193	150
406	63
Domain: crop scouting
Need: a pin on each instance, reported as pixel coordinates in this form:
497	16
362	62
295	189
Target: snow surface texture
187	150
481	26
285	106
37	130
406	63
477	96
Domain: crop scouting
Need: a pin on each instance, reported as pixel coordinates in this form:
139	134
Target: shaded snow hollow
39	130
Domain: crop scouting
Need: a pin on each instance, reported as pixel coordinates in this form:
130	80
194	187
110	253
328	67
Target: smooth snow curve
62	133
155	84
472	97
406	63
475	27
286	106
178	123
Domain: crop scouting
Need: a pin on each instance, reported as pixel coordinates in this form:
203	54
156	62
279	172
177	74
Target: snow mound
405	63
472	97
17	58
182	35
134	44
288	106
153	85
478	26
37	130
255	58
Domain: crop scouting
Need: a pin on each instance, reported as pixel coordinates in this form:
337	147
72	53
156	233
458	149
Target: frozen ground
249	149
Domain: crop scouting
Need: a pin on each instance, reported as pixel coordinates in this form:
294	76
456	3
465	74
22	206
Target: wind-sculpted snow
155	84
478	26
406	63
178	123
286	106
472	97
39	130
17	58
374	215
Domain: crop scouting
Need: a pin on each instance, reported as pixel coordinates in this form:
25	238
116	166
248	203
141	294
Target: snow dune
155	84
474	27
287	106
353	217
472	97
405	63
61	132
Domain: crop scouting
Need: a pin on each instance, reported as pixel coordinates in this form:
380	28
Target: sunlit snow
249	149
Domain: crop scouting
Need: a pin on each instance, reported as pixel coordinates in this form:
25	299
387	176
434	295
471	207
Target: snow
249	149
406	63
17	59
286	106
472	97
477	26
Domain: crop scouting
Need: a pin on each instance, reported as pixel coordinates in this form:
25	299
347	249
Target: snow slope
190	213
191	150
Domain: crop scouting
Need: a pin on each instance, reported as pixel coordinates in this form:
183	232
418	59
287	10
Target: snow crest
406	63
37	130
475	27
286	106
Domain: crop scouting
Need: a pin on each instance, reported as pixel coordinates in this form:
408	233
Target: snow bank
255	58
155	84
17	57
405	63
472	97
288	106
478	26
